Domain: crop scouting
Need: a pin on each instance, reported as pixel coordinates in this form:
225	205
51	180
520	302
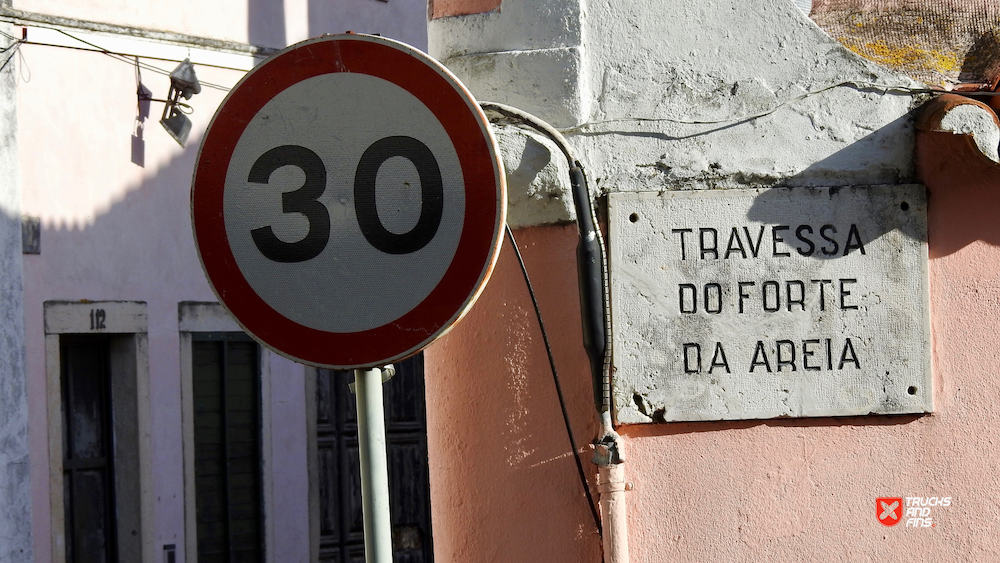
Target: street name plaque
765	303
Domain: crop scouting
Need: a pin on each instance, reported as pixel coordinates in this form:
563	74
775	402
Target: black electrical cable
124	56
592	268
555	378
16	47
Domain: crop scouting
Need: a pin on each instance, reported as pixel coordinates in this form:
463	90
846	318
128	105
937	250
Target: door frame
199	316
312	463
125	323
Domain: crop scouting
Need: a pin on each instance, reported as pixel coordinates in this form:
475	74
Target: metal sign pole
374	468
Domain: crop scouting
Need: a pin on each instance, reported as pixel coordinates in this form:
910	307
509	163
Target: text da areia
769	293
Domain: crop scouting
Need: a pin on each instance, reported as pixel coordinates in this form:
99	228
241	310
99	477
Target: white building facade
106	280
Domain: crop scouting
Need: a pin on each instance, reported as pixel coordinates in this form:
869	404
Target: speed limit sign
348	201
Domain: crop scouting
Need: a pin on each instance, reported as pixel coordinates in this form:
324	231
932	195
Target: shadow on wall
145	238
964	190
864	162
402	20
983	59
15	494
674	428
963	199
266	23
814	231
824	237
139	248
963	185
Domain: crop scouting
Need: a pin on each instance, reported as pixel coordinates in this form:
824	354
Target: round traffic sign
348	201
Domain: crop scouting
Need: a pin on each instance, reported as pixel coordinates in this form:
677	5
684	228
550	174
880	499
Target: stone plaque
764	303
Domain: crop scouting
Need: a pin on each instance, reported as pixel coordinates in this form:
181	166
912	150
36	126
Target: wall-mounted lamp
183	83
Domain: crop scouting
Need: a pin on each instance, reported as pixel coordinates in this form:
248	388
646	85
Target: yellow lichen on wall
905	57
937	42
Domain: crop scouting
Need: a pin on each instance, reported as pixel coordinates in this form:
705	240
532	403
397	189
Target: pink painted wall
503	487
805	490
445	8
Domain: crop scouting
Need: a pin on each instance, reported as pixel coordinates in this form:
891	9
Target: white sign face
348	201
324	115
784	302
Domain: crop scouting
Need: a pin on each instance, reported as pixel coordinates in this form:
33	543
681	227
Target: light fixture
183	83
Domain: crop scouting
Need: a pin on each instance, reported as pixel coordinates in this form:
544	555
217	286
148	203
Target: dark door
88	458
226	385
341	521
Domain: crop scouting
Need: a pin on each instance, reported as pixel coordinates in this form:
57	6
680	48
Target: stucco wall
504	486
780	490
265	23
112	230
696	95
113	196
220	20
15	463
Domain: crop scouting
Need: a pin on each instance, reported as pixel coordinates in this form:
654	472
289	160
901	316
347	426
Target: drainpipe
611	486
595	310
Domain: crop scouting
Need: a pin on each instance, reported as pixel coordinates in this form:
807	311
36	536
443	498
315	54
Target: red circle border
485	201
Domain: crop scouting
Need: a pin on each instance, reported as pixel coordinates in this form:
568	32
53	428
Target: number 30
305	200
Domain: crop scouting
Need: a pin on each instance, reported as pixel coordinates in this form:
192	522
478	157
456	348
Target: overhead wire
860	86
131	59
121	57
14	48
115	54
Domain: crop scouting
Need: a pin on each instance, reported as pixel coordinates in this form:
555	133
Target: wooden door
88	451
226	385
341	521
